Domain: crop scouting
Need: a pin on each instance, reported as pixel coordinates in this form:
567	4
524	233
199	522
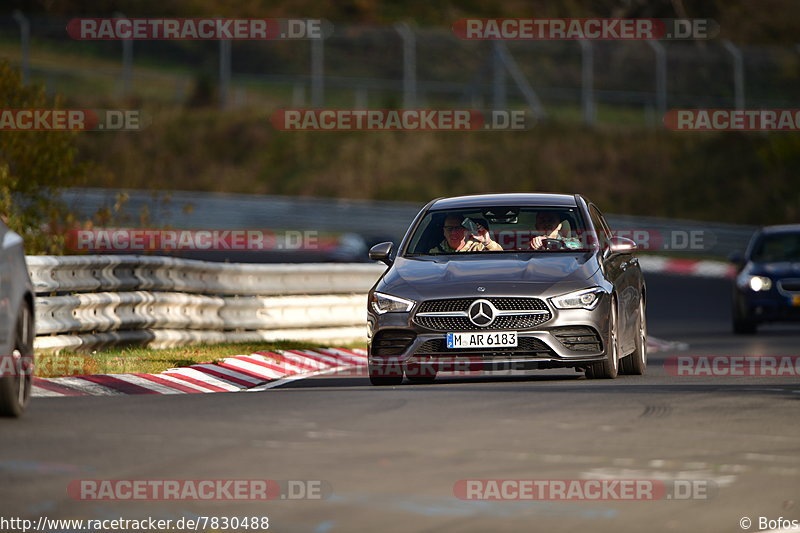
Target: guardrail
384	219
90	302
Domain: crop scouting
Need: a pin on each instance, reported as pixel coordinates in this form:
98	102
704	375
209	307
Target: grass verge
151	361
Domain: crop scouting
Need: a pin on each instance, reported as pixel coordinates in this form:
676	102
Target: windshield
777	247
501	229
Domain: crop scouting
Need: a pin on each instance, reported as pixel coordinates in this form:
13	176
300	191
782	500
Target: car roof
784	228
509	199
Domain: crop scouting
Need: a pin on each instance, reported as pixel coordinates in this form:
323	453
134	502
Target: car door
613	270
628	295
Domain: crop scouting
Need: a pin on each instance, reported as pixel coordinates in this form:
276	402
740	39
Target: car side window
603	221
600	226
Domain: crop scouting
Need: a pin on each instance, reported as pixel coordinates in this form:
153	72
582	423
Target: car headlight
386	303
582	299
755	283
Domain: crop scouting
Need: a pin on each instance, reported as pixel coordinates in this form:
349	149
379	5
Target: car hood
423	278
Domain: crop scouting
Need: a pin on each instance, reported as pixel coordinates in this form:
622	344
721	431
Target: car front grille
789	285
463	323
526	346
578	338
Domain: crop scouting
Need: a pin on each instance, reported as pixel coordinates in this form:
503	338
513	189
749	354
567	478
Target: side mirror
621	245
381	252
736	258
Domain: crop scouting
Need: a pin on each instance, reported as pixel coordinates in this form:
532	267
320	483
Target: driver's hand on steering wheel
537	243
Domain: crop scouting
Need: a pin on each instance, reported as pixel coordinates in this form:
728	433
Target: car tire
636	363
385	374
420	373
744	327
608	368
15	389
742	323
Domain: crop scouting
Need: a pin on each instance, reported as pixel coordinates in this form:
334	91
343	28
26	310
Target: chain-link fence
405	66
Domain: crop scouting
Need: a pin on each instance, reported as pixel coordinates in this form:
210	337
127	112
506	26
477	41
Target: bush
34	165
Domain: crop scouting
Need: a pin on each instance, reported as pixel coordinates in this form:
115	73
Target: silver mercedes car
507	282
16	325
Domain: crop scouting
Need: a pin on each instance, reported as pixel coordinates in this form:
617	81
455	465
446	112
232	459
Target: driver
456	239
548	226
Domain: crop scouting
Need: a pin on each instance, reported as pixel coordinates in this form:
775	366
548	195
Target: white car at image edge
16	325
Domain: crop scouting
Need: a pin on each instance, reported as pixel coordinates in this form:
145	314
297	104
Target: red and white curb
660	345
232	374
687	267
255	372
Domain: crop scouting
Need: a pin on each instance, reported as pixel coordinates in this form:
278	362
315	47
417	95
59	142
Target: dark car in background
767	285
573	299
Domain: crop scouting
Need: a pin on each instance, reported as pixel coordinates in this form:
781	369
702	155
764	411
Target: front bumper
770	306
570	338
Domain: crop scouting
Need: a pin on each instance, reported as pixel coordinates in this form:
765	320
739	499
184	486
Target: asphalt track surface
391	456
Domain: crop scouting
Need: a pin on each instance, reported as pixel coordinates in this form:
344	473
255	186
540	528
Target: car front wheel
636	363
384	374
743	324
420	372
609	368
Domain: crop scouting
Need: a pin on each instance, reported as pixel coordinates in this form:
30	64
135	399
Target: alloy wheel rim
643	332
614	348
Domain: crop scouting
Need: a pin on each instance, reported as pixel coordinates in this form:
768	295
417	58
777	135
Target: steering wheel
553	244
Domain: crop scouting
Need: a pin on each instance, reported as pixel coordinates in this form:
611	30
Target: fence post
661	77
360	100
317	72
298	95
587	81
409	65
738	73
127	61
498	78
519	78
24	41
224	71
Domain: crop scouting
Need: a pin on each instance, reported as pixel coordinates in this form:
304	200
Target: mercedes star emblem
481	313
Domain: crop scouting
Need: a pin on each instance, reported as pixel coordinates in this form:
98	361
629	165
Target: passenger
456	239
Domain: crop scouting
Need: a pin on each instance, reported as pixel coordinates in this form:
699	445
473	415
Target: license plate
796	300
484	339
